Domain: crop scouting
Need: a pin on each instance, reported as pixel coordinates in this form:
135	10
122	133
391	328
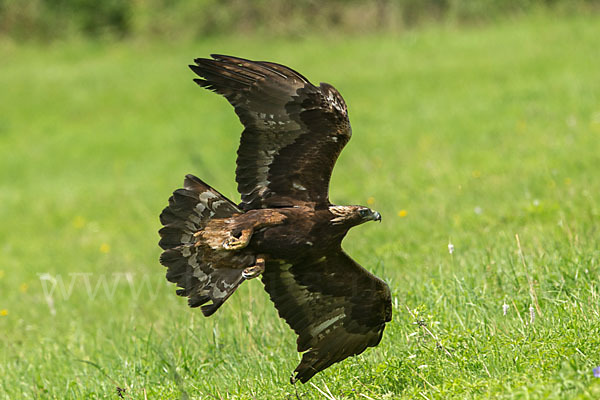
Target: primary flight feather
285	229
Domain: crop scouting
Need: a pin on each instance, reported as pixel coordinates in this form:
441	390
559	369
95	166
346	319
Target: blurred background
54	19
473	121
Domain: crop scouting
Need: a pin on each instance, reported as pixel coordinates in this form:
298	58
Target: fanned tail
188	265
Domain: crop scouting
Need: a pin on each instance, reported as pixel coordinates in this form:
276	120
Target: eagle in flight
285	229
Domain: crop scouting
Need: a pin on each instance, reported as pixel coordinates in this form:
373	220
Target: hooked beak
376	216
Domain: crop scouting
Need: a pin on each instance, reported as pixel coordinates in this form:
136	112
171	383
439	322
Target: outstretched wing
294	131
336	307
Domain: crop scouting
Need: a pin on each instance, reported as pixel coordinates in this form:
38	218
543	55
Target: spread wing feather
294	131
336	307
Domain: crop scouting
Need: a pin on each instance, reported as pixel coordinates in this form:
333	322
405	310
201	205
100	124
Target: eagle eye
364	212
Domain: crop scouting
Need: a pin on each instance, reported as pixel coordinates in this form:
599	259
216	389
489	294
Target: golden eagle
285	228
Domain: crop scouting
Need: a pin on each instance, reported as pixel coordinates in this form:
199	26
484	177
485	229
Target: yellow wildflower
371	201
23	287
3	312
402	213
105	248
78	222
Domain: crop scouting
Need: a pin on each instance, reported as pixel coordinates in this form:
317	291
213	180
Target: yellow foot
234	243
255	270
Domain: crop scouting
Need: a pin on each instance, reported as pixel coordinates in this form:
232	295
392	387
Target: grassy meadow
487	138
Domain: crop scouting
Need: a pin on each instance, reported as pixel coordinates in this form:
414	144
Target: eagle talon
234	243
255	270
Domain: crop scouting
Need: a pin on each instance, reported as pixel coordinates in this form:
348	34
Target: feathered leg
240	228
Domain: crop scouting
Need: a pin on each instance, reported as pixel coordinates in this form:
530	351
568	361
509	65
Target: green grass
479	134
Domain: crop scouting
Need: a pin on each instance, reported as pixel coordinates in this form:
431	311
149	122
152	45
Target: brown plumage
285	228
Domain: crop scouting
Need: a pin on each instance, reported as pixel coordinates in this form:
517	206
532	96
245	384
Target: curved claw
234	243
255	270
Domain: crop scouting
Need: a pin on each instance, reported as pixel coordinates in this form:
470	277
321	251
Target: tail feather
190	209
198	280
188	265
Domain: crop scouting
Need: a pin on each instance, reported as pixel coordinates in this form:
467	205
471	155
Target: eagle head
353	215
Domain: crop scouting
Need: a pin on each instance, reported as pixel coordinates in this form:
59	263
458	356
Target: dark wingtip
202	60
302	374
196	68
201	82
224	57
198	300
210	309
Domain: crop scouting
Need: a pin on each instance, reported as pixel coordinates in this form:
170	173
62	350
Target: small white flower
478	210
505	308
450	248
531	314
